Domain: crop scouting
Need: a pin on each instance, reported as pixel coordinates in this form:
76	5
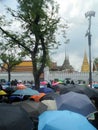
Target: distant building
66	65
85	64
24	66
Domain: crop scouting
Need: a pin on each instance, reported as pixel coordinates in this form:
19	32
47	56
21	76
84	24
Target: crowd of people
16	83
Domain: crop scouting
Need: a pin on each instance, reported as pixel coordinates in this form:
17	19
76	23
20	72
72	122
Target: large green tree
39	22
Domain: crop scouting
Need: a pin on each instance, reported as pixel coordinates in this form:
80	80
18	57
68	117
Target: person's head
19	81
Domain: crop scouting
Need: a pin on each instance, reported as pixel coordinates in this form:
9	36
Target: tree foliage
39	22
10	58
95	63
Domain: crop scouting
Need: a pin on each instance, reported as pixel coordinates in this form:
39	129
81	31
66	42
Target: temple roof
25	63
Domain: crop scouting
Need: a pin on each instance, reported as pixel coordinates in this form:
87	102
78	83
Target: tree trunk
9	76
37	82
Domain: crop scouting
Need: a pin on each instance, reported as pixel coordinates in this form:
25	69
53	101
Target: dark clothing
72	82
0	87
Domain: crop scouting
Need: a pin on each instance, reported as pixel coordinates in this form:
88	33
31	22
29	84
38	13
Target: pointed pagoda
66	65
85	64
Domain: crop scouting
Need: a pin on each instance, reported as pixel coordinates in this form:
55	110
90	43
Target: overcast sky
74	12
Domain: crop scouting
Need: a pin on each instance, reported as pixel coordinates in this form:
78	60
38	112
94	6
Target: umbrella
55	83
90	92
37	97
9	90
2	92
58	87
34	109
14	118
95	85
21	86
75	102
44	83
63	120
51	104
13	98
27	91
46	90
49	96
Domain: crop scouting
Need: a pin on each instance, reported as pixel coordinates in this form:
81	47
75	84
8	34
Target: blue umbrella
63	120
75	102
16	97
45	90
95	85
26	91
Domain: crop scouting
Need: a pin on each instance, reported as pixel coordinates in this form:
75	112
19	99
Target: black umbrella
14	118
58	87
90	92
49	96
34	109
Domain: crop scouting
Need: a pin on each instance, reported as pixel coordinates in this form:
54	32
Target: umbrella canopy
55	83
27	91
75	102
2	92
90	92
34	109
13	98
37	97
58	87
43	82
95	85
49	96
21	86
46	90
63	120
14	118
9	90
51	104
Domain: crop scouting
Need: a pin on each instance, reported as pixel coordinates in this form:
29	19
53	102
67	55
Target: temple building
85	64
24	66
66	65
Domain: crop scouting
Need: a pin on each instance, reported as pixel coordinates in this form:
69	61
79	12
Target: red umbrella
44	83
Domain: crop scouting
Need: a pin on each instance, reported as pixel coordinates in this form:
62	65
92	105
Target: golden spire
85	64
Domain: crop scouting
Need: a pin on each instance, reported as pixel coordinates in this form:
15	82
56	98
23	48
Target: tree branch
15	40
